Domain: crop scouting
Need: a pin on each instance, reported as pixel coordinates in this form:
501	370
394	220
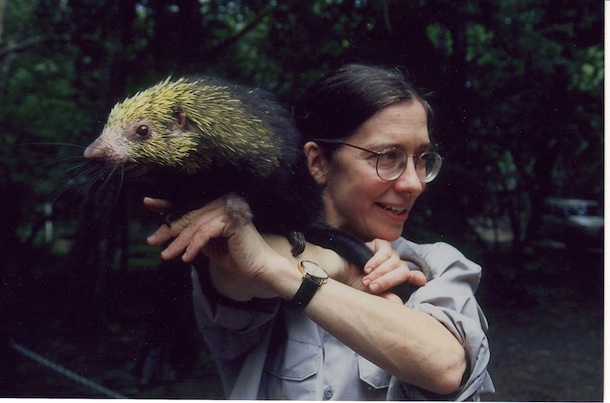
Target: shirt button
328	393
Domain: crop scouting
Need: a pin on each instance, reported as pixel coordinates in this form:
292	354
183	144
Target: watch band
304	294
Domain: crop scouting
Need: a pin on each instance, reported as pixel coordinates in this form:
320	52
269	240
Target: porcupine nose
94	150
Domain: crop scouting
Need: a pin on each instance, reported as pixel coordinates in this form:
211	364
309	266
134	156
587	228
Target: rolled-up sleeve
230	328
449	297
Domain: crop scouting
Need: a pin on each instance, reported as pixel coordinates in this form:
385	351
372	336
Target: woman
367	145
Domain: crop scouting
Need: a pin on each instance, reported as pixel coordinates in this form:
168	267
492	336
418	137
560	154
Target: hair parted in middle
334	106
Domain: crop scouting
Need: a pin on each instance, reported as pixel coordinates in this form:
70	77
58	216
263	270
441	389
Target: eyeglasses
392	163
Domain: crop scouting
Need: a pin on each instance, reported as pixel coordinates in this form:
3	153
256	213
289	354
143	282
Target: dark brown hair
334	106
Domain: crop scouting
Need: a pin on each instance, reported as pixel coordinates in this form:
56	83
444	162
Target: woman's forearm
236	287
407	343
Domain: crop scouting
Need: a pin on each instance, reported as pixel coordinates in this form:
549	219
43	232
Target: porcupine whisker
107	179
102	177
117	189
63	177
74	181
98	185
46	143
51	162
86	174
251	148
76	157
91	175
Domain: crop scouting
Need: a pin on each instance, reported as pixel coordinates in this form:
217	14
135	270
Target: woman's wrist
282	277
277	280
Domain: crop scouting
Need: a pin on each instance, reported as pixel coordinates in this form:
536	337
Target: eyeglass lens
391	164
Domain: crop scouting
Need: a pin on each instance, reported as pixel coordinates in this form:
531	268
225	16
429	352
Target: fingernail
366	281
368	269
374	287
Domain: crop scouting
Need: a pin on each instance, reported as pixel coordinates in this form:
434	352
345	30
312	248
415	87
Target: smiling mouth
393	210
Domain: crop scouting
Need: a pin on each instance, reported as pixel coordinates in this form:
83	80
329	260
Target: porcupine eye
143	132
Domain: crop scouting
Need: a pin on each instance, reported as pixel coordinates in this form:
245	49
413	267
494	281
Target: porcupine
201	137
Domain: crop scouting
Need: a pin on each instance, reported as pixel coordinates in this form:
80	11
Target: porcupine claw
238	209
297	240
169	218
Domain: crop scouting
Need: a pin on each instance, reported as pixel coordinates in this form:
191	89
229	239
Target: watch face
313	269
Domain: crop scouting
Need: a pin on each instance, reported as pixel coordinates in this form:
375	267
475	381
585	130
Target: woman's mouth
397	213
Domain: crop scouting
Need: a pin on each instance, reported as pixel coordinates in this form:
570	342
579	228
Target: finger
396	277
388	280
195	235
157	205
201	238
382	252
392	263
166	232
160	236
185	226
418	278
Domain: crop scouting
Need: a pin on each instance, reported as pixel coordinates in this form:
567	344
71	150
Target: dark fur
283	201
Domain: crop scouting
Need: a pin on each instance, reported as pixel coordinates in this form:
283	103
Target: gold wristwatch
313	277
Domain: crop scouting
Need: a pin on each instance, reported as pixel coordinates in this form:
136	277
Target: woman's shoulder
440	256
422	249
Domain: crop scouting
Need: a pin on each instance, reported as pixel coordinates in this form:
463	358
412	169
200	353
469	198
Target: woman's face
355	198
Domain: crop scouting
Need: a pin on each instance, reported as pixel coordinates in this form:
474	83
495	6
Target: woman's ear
318	164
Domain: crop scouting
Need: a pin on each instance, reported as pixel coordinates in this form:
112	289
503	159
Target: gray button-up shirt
264	350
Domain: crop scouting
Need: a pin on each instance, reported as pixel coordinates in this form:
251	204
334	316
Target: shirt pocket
298	361
372	375
291	372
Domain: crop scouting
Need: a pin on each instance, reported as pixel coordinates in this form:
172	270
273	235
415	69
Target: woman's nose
409	181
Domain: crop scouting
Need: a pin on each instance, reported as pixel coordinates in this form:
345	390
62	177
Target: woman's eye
391	155
390	158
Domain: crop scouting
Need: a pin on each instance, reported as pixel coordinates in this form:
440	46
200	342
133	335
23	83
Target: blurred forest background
517	89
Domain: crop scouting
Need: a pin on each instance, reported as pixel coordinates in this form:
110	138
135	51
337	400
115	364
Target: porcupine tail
346	245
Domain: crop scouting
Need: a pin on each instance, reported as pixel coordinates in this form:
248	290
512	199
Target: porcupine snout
101	150
94	150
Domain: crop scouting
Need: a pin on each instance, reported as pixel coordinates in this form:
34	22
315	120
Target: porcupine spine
209	137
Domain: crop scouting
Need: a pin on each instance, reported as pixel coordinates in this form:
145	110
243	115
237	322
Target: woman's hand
223	230
383	271
406	342
207	229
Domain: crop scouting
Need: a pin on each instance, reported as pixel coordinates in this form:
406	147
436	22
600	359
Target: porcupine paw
170	217
297	240
174	215
238	210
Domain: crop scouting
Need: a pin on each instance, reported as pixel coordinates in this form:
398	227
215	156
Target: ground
546	329
546	334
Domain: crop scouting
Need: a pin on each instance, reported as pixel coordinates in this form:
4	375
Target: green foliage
588	75
518	84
